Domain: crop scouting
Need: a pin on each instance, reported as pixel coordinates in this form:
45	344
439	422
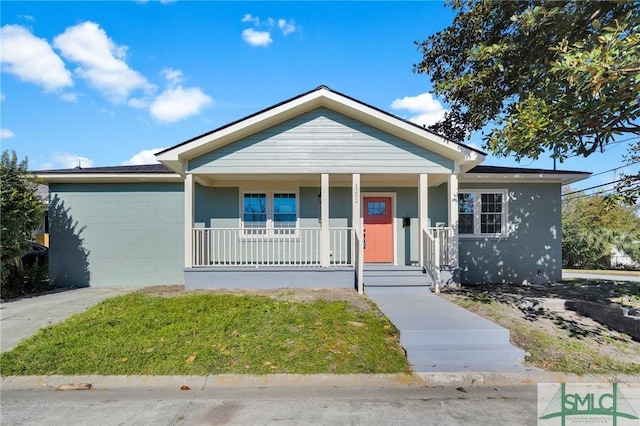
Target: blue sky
109	83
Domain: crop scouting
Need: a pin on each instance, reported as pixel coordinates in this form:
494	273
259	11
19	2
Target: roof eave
108	177
562	178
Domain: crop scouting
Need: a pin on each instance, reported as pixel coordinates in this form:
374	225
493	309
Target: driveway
21	318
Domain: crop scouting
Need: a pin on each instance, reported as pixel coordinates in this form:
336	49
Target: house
306	193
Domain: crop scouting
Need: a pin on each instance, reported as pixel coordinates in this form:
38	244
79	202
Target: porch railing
436	243
299	247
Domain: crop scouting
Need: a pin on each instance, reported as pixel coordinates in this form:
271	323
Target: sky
110	83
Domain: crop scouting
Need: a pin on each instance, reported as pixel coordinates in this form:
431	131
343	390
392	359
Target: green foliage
21	214
546	77
591	227
212	334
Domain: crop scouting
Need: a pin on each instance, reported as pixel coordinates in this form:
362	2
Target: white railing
436	243
273	247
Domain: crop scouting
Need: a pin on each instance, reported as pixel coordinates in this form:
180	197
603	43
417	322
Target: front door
378	230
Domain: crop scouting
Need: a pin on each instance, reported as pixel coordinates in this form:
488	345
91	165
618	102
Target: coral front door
377	229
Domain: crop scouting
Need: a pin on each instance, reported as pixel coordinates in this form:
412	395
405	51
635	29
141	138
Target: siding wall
105	235
321	141
533	249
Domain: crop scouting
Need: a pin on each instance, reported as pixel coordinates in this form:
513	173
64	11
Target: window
284	213
269	213
376	208
482	213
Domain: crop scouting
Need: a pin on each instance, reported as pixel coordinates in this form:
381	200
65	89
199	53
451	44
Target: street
283	406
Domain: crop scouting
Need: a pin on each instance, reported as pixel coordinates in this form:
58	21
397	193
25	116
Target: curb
239	381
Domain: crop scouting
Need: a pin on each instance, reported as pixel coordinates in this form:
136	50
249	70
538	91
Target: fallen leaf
461	389
124	359
149	350
191	358
267	363
185	387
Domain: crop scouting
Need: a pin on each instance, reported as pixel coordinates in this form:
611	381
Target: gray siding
106	235
321	141
533	249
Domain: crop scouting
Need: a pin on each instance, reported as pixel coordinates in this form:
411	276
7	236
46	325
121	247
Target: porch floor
438	335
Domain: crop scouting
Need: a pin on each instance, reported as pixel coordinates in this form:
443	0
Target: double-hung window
269	213
482	213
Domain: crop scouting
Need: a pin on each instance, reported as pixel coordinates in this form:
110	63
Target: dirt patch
358	301
529	309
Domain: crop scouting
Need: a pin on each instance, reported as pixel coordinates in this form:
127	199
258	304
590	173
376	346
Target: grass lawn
206	334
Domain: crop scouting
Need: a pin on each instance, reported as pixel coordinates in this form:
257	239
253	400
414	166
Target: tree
545	77
591	227
20	214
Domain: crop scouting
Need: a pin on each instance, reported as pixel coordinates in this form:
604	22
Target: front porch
240	259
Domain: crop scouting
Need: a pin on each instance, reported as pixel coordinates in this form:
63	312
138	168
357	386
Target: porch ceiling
313	179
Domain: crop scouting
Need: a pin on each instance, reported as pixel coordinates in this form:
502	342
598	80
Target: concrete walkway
438	335
21	318
603	276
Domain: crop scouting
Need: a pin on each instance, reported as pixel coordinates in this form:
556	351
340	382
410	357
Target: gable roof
176	157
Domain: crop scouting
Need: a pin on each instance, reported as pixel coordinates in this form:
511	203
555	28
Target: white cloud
32	59
174	77
286	27
146	156
425	109
2	96
168	1
175	103
66	160
101	61
257	38
178	103
250	18
6	134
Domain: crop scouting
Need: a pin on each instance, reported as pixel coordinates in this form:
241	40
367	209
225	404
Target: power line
593	187
614	169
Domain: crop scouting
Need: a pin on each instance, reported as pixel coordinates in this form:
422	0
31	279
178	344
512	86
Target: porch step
395	276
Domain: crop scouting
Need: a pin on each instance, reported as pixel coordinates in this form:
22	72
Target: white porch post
325	238
357	253
423	214
189	187
453	219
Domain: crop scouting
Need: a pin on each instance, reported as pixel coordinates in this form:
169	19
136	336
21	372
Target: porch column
189	188
453	219
357	252
325	238
423	214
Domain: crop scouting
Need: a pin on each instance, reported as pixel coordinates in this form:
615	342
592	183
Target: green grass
211	334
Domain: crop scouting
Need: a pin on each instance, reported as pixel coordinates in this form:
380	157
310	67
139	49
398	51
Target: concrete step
443	339
426	357
474	366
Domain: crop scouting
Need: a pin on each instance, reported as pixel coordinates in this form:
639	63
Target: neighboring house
304	193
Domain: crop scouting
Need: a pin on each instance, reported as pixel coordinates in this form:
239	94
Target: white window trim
270	229
477	210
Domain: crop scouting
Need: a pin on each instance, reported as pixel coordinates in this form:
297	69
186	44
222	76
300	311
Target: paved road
329	405
21	318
